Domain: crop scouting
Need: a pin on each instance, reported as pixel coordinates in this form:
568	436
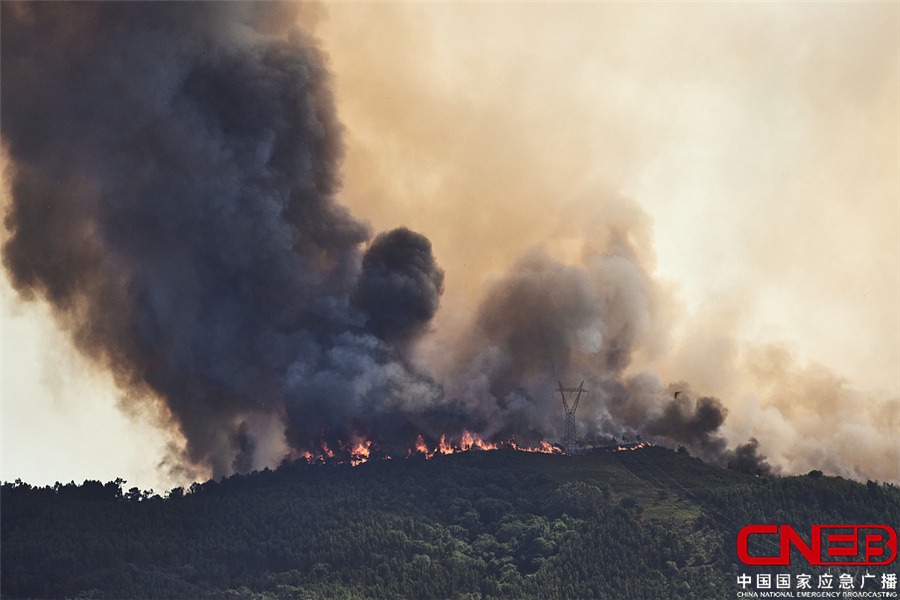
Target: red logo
866	544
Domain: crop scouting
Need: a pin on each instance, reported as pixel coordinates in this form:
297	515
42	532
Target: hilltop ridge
647	522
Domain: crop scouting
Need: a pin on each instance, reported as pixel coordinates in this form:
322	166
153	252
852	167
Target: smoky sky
174	170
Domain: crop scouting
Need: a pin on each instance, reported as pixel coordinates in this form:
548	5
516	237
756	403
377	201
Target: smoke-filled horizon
750	152
179	197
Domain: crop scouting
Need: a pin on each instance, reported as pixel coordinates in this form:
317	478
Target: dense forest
645	523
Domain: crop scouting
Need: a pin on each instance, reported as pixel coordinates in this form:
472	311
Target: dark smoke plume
174	168
689	422
747	459
545	319
400	285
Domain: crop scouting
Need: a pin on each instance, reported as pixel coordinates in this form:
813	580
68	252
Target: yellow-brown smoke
759	144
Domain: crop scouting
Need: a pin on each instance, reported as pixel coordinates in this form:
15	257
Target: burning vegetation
360	452
174	181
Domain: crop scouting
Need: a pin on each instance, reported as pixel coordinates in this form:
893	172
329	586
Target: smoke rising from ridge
176	179
173	198
759	139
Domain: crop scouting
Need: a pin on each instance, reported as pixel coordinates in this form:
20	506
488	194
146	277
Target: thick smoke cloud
545	319
174	168
174	177
690	422
400	285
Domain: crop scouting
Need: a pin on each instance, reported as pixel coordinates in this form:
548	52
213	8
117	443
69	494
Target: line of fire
359	451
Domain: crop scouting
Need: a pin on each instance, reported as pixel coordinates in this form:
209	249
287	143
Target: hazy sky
761	140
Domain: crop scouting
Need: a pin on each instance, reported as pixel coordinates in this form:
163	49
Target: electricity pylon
570	413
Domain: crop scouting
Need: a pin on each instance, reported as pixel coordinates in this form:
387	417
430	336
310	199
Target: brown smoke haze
283	228
748	152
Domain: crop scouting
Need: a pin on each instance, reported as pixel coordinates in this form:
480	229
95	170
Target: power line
570	413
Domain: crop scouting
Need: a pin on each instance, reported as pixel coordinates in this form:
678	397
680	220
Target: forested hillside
646	523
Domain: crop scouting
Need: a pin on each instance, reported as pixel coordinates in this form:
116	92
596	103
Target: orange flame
422	448
360	453
326	450
470	441
445	446
360	449
634	447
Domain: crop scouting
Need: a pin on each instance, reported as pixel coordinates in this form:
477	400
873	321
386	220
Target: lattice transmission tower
570	413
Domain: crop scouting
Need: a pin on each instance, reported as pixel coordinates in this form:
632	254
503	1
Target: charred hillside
646	522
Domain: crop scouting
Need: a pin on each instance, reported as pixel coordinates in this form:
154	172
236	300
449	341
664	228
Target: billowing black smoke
545	319
401	285
174	169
